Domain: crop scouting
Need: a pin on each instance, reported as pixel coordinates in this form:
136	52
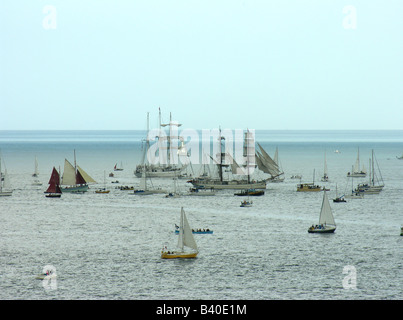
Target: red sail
79	178
54	177
54	182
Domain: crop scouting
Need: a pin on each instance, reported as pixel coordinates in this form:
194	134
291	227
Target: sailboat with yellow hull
185	239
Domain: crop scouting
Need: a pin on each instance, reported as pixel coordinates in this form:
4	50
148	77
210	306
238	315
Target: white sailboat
325	177
357	172
354	193
185	239
75	179
326	219
5	184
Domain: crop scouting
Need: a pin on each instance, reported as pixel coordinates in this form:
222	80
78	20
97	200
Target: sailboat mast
220	138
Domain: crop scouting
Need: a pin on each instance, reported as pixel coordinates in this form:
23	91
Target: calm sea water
107	246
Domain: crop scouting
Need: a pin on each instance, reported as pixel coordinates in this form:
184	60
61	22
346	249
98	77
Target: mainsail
326	216
54	182
186	238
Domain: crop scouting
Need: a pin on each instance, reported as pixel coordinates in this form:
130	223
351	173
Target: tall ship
224	160
170	168
74	179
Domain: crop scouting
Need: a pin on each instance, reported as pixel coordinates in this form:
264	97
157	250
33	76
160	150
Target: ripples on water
108	246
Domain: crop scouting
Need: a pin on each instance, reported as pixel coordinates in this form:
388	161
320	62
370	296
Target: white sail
36	172
326	216
69	174
85	175
185	234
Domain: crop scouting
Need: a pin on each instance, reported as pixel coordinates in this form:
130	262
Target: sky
269	64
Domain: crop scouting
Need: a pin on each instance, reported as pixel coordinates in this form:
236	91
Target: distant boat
250	192
36	174
201	192
5	184
54	191
36	171
74	178
325	177
103	190
309	187
246	203
357	172
339	199
400	158
375	184
326	219
185	239
115	168
401	231
195	231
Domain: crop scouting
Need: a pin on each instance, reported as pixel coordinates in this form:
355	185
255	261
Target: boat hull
227	185
82	188
308	187
197	232
53	195
323	230
178	255
6	193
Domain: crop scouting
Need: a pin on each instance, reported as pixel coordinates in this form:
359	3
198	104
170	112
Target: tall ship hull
160	172
227	185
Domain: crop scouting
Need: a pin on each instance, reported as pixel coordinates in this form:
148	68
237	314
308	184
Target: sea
107	246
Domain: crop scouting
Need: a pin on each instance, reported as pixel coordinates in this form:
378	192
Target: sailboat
223	160
5	185
144	189
185	239
354	193
74	178
357	172
325	177
115	168
36	172
326	219
54	191
103	190
169	169
266	164
339	199
373	187
246	203
309	187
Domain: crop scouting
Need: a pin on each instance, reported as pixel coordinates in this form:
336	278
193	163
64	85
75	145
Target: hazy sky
232	63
